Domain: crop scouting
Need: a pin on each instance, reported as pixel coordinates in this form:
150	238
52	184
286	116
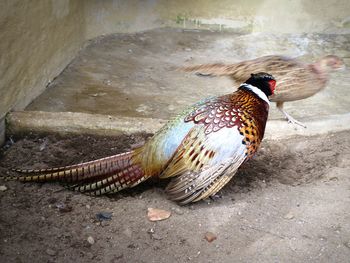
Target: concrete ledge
22	122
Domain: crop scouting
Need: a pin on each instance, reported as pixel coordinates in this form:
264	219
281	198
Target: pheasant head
330	63
263	82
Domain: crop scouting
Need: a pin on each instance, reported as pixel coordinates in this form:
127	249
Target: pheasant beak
272	84
340	66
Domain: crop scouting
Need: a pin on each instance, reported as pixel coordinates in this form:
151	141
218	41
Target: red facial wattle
272	84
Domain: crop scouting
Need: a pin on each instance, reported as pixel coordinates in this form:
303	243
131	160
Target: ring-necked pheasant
296	80
201	149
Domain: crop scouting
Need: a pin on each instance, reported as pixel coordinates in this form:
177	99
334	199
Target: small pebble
50	252
107	82
177	211
210	237
347	244
88	206
288	216
104	223
42	146
133	246
63	208
171	107
3	188
322	238
155	214
333	178
156	236
91	240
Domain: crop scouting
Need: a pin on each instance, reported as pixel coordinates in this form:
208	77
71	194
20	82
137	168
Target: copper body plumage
247	113
296	80
200	149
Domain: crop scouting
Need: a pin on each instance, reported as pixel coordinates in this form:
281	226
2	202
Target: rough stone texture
38	40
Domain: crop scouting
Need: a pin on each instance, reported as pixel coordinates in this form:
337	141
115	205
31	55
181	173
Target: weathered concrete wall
38	39
295	16
37	42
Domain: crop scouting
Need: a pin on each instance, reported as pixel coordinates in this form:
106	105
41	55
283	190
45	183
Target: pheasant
201	149
296	80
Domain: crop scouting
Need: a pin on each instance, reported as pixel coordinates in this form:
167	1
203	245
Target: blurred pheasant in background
296	80
201	149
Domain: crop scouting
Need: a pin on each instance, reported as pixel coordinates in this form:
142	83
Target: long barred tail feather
77	172
86	165
102	176
113	182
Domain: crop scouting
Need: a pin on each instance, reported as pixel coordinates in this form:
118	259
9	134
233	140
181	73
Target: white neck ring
257	91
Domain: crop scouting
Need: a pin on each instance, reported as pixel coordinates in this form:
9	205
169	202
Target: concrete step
22	122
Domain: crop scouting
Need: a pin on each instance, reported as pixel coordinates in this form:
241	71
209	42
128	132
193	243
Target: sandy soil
291	203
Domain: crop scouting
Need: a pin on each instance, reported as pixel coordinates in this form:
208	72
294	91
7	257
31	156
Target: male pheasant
201	149
295	79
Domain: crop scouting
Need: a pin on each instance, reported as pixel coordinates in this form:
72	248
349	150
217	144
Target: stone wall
38	39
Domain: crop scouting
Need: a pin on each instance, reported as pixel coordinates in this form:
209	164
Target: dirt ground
291	203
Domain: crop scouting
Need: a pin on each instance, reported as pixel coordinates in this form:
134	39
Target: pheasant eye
272	84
